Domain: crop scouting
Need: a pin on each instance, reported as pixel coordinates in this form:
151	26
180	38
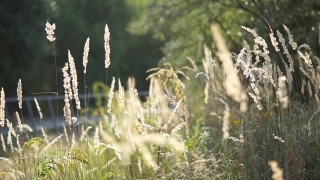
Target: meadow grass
242	116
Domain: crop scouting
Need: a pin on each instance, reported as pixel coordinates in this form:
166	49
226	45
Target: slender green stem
57	85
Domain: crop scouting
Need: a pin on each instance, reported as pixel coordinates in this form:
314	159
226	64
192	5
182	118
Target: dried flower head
50	31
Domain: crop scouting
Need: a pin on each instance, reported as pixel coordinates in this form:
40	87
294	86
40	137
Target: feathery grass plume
232	84
309	89
38	107
257	39
303	84
114	124
85	55
226	121
67	82
291	41
3	143
175	110
9	141
131	82
206	93
137	105
2	108
49	145
208	63
186	114
73	72
111	93
45	137
277	172
84	133
120	95
130	139
139	165
306	59
6	160
96	141
50	31
155	91
73	140
67	93
11	129
178	127
65	133
19	93
116	150
18	144
286	52
273	39
282	92
19	124
107	46
308	76
193	63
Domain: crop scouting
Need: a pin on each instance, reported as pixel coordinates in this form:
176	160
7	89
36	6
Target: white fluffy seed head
107	46
111	93
19	93
38	107
85	55
73	72
50	31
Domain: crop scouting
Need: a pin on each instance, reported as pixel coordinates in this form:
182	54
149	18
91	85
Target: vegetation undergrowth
242	117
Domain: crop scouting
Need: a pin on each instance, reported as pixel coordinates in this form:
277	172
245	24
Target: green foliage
184	26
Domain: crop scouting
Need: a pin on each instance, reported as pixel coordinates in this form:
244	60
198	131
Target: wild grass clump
246	116
128	141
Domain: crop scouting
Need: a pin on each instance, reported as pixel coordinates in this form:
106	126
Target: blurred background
144	33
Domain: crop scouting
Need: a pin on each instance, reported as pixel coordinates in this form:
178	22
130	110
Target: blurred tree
131	55
184	25
27	54
23	43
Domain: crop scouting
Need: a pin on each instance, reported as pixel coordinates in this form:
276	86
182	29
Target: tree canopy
184	25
